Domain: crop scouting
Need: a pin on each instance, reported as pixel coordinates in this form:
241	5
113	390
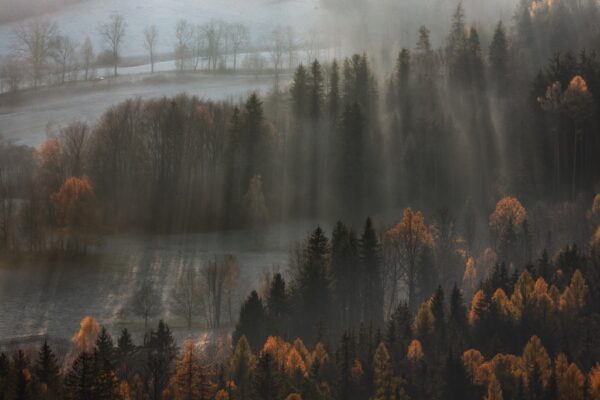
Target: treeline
41	55
524	334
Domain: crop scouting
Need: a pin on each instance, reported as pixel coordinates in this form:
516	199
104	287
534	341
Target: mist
212	180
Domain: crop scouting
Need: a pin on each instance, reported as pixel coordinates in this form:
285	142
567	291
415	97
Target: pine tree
4	376
372	276
105	347
22	383
299	92
386	384
251	323
124	353
333	97
439	317
190	379
315	91
161	351
47	371
498	56
277	306
79	381
313	284
351	161
266	383
241	368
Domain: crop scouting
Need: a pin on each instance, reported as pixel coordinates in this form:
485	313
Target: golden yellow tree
294	365
509	210
594	382
190	381
523	292
386	384
472	360
278	348
570	384
77	213
535	358
404	245
85	338
494	390
415	351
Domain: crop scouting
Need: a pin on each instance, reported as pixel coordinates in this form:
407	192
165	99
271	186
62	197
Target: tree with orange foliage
49	160
506	222
594	382
472	360
570	383
578	104
85	338
241	367
190	381
404	246
415	351
77	214
494	390
537	367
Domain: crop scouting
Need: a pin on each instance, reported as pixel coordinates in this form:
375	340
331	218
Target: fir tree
372	276
252	322
47	370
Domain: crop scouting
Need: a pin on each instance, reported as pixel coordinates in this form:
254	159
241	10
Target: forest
454	195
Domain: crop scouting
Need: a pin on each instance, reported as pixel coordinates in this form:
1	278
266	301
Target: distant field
83	18
26	118
51	298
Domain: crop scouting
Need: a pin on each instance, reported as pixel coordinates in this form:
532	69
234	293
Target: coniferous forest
453	192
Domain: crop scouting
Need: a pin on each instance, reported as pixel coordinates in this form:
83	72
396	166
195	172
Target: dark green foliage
277	306
161	351
372	276
47	369
266	385
251	323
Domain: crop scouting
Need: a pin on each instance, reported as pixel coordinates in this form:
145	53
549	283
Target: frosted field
27	118
52	299
261	16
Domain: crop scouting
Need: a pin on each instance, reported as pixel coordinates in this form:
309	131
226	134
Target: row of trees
525	336
55	58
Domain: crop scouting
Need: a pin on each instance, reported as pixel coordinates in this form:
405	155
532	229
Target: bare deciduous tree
113	33
186	296
73	141
277	49
150	39
36	41
238	38
87	58
213	33
220	278
12	73
146	302
184	34
64	56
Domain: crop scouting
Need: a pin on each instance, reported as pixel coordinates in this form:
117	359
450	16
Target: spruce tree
372	276
47	370
266	385
333	97
79	381
277	306
251	323
498	56
241	368
314	285
385	383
